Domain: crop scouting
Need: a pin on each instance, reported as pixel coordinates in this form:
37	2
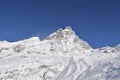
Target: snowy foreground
61	56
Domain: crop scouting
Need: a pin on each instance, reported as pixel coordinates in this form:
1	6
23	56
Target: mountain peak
68	27
61	33
69	36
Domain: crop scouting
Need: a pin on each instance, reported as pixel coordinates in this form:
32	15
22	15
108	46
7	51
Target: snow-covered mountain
61	56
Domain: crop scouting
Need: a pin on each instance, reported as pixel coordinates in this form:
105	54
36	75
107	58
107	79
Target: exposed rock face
69	36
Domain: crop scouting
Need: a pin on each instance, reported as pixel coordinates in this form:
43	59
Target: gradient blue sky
96	21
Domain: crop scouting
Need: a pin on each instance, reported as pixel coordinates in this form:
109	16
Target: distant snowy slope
61	56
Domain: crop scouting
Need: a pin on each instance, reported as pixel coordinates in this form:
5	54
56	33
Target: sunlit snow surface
61	56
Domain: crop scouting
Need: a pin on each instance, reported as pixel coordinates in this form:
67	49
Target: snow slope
61	56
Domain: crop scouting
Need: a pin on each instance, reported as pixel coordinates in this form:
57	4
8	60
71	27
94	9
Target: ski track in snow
74	70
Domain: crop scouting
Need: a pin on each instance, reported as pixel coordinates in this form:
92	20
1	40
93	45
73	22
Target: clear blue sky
96	21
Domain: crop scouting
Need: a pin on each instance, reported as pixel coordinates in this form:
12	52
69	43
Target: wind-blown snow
61	56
